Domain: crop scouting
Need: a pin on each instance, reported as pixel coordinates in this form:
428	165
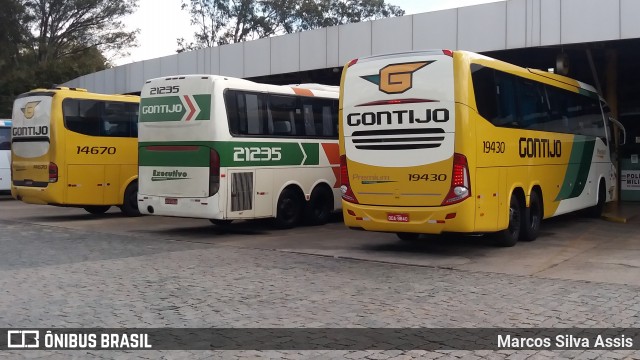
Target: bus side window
533	109
309	124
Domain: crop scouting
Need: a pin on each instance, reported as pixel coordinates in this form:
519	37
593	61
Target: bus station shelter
594	41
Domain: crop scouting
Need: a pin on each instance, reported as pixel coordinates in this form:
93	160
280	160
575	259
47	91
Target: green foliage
47	42
221	22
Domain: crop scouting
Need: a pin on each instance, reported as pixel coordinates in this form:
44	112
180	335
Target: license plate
397	217
171	201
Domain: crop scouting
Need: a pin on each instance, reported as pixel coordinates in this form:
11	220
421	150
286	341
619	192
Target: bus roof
310	89
78	93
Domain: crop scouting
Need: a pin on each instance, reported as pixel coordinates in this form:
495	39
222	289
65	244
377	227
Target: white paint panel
203	61
392	35
187	62
151	69
214	64
533	23
135	75
550	22
98	82
169	65
121	79
630	14
313	49
590	20
482	27
232	60
73	83
285	54
109	85
354	41
333	46
516	24
91	82
257	57
436	30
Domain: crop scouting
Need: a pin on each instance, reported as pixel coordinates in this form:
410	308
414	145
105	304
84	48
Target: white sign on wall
630	180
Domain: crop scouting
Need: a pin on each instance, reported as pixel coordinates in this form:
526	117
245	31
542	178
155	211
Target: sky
161	22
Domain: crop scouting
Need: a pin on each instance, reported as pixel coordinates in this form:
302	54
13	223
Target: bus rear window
101	118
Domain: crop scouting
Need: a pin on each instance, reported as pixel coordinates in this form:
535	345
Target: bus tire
509	236
129	205
596	210
289	209
320	206
532	218
97	209
408	237
221	222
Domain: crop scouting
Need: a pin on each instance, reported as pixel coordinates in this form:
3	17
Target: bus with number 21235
74	148
226	149
453	141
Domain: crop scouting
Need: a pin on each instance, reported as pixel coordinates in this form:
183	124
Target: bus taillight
460	184
345	187
214	172
53	172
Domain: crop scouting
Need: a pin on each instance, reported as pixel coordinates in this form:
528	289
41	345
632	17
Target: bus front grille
241	191
398	139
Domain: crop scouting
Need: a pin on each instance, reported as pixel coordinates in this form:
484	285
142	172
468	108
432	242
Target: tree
46	42
229	21
65	28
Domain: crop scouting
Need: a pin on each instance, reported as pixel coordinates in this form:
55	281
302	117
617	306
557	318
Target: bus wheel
97	209
289	209
129	205
509	236
596	210
408	237
320	206
532	219
220	222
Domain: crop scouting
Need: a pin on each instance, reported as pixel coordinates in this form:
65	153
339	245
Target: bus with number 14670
74	148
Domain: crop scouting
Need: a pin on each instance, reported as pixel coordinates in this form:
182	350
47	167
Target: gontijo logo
396	78
30	109
175	108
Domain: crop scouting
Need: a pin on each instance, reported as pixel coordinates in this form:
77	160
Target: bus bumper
205	208
35	195
424	220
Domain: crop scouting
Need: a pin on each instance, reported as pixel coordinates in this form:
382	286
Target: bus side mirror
620	127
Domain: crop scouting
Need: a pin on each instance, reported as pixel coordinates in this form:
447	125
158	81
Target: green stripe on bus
235	154
577	169
175	108
197	157
313	154
583	169
204	103
588	93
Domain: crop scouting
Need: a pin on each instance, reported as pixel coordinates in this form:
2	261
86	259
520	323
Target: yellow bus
453	141
74	148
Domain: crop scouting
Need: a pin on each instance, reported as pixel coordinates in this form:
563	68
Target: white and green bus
226	149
